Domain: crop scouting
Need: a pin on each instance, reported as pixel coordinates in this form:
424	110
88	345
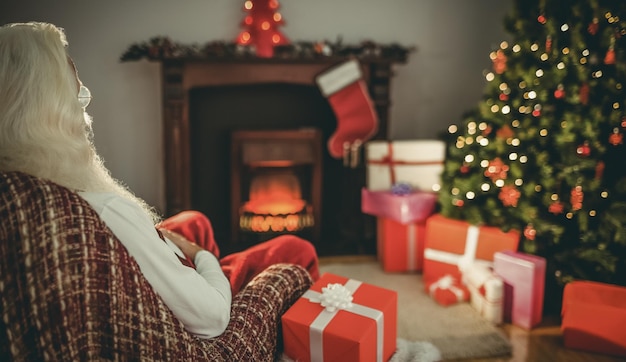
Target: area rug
457	331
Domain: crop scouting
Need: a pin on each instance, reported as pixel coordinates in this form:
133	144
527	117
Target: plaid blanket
69	291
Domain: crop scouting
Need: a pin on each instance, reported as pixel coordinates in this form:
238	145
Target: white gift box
486	291
416	162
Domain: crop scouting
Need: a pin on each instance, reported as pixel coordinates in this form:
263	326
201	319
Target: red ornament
548	43
584	150
503	97
459	203
509	195
536	112
576	198
464	169
593	26
559	93
616	137
260	27
530	232
496	169
499	62
583	94
556	207
541	19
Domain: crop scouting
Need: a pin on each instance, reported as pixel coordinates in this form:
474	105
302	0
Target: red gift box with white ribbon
341	319
400	247
448	290
452	244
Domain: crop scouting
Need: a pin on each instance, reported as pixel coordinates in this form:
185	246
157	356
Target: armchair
70	291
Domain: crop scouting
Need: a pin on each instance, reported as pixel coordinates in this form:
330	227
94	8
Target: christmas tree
543	152
260	27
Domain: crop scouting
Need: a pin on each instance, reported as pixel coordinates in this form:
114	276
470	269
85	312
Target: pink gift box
413	207
524	278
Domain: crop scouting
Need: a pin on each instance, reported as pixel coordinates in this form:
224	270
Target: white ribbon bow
334	297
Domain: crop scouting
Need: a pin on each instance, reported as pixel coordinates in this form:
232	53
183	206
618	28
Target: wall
441	80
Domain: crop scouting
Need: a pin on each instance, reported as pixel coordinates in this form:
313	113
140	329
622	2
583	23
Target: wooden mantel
179	76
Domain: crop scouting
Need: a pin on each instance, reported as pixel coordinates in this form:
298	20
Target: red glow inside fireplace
275	203
276	176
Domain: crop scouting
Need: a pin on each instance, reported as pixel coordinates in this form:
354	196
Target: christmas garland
162	47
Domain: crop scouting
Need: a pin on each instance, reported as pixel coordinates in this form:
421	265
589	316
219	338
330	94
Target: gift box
341	319
400	247
415	206
524	279
416	162
594	316
447	291
450	244
486	291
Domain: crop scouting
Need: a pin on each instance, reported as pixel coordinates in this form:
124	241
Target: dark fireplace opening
276	184
218	112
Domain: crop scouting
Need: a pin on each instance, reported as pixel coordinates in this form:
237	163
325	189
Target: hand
190	249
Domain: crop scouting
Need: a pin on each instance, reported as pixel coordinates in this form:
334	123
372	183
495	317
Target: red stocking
347	93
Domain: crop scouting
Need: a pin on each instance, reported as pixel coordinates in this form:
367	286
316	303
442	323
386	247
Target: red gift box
524	278
447	291
452	244
400	247
415	206
362	331
594	316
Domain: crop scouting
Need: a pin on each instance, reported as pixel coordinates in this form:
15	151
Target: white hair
44	131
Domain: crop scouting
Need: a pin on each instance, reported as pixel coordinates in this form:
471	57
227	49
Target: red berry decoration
541	19
616	138
583	94
576	198
559	93
530	232
503	97
556	208
623	124
499	62
509	195
609	58
464	169
548	43
599	170
496	169
583	150
593	27
536	113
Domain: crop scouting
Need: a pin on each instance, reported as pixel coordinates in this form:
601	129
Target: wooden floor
543	343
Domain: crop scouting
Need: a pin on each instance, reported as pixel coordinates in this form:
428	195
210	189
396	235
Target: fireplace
223	120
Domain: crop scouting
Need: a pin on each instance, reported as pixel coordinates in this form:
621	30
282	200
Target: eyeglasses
84	96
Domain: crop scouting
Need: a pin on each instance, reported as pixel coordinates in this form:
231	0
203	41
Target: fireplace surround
189	87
